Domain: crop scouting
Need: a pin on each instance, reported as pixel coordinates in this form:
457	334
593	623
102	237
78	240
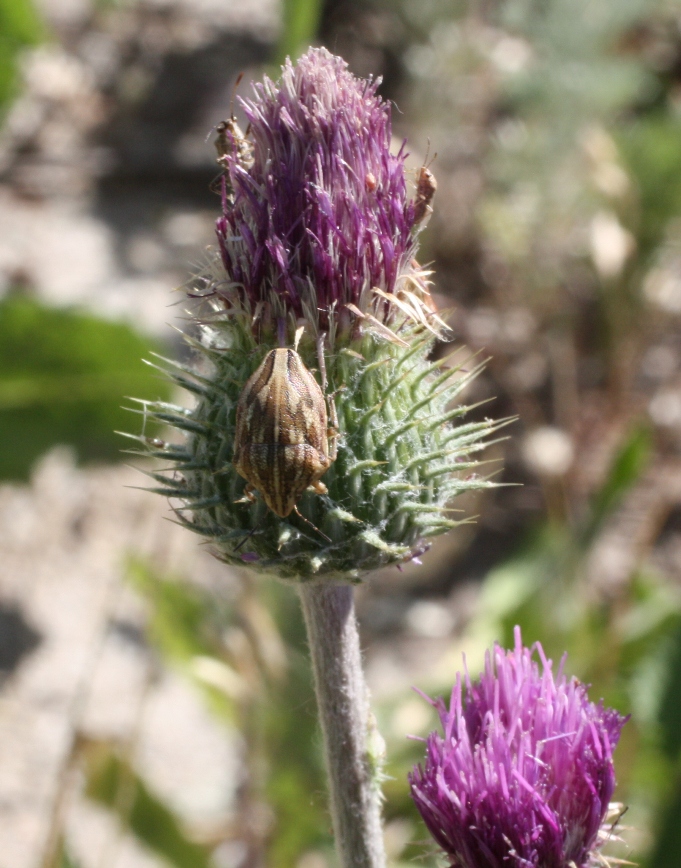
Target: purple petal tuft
320	215
524	774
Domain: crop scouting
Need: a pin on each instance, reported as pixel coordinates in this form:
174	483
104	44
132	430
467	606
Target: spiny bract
317	243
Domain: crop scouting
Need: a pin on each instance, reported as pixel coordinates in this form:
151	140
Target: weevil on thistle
426	187
317	247
283	443
230	140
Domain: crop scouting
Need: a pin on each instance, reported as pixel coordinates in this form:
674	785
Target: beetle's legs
314	526
249	494
318	487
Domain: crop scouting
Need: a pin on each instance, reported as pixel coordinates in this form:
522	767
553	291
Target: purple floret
524	774
320	215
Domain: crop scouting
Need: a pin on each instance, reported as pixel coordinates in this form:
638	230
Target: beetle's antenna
234	89
222	125
426	164
307	521
248	536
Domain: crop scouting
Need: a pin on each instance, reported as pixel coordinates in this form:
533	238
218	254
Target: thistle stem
343	702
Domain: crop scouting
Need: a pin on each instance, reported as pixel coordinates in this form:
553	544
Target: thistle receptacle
316	246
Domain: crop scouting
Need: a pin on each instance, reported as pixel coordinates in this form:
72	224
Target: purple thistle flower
316	253
524	774
317	214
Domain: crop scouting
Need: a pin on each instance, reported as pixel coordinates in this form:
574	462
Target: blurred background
156	708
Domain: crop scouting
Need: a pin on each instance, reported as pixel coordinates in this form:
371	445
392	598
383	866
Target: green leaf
20	22
301	22
186	626
63	378
113	783
65	859
670	710
651	150
625	470
667	851
181	615
20	26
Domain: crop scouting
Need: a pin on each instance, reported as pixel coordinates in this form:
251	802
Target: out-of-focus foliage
301	21
626	469
63	378
668	845
184	624
625	651
621	646
19	26
113	783
650	149
66	860
250	656
560	125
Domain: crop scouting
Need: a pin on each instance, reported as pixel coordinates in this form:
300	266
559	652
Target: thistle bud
316	261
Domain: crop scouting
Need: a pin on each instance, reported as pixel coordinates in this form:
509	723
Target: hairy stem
343	703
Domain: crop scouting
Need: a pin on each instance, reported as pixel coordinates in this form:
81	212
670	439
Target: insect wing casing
281	443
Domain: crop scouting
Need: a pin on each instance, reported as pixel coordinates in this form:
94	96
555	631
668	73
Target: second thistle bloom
523	774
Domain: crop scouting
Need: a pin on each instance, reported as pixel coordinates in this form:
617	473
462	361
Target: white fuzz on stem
342	699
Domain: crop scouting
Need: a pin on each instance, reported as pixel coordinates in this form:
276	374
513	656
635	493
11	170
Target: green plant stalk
344	715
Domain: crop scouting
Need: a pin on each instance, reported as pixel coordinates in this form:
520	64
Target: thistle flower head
316	247
524	774
319	216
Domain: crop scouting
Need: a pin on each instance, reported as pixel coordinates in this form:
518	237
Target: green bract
403	454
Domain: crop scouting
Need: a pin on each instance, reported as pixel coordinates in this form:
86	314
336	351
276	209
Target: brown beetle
426	186
230	141
283	444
